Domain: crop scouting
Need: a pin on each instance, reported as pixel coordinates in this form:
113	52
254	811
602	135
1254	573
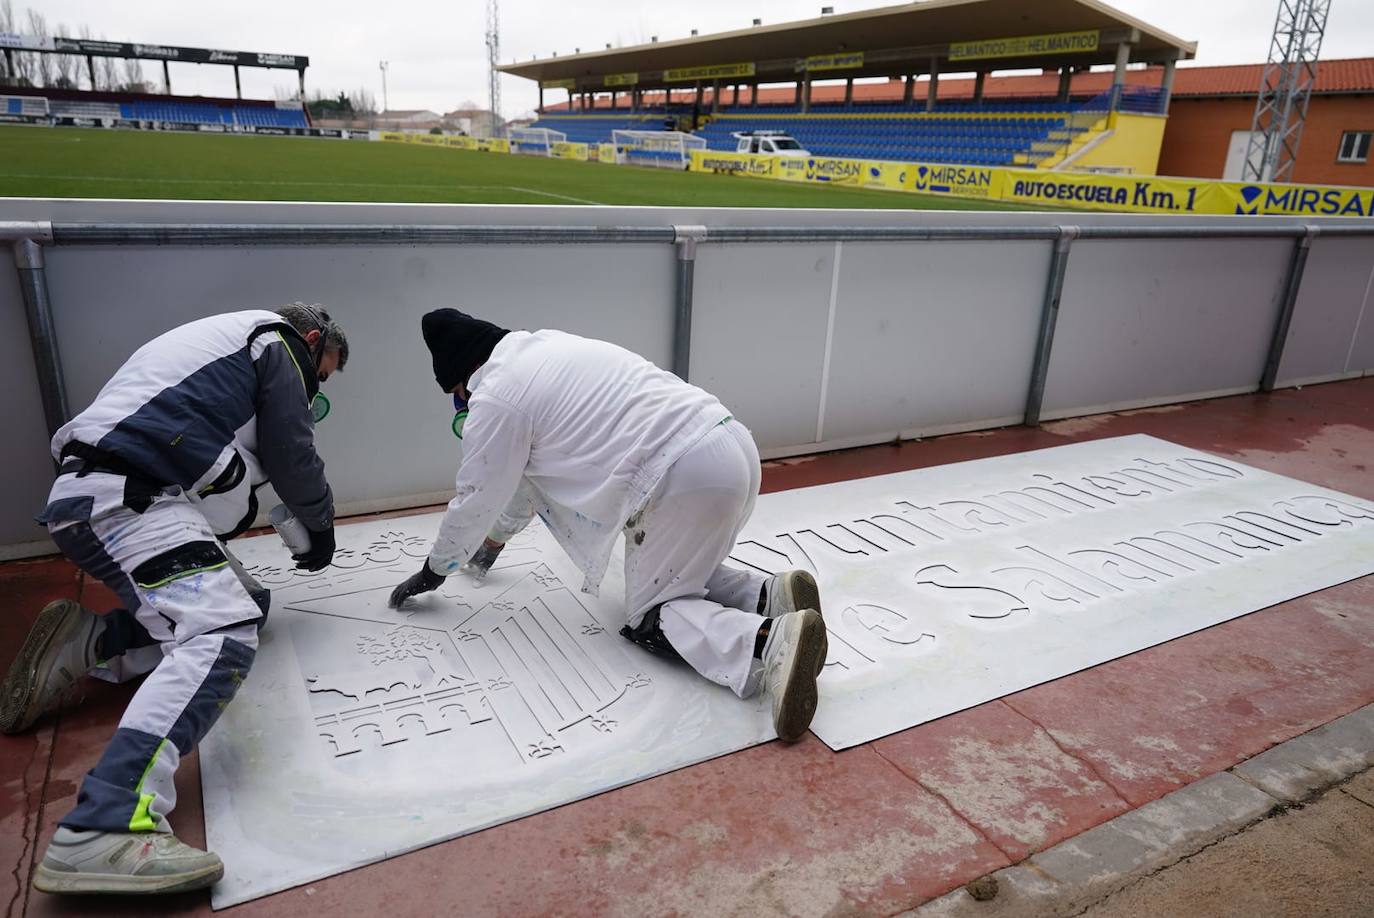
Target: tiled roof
1334	76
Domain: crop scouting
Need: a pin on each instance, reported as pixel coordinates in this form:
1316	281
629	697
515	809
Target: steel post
1049	317
1292	284
33	283
685	243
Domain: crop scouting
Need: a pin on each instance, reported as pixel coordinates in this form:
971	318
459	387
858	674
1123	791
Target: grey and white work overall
154	475
587	436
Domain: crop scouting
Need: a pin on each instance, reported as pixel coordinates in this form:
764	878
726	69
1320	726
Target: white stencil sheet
947	587
364	732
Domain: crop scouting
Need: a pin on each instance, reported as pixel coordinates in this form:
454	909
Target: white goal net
664	149
533	141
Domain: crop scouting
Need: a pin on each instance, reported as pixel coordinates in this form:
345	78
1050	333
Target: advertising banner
1128	194
563	149
733	163
569	83
1025	45
25	42
620	79
605	152
965	181
834	61
1298	200
684	74
98	48
820	169
889	176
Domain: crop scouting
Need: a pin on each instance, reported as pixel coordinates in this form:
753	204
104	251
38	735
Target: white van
768	143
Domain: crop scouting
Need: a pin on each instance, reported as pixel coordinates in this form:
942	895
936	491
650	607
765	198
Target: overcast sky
437	50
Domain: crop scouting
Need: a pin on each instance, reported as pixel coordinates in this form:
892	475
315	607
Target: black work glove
482	559
422	582
321	551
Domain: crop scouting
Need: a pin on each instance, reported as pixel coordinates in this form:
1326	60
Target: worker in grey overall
153	477
596	440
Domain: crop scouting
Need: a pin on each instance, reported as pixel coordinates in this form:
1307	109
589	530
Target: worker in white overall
153	477
596	440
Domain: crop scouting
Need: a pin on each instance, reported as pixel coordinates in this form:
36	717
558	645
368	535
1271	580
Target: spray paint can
291	530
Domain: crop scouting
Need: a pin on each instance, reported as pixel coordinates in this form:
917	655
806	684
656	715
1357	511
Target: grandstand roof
1351	75
894	39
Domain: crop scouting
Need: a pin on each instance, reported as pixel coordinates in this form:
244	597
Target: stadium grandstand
119	109
148	110
940	99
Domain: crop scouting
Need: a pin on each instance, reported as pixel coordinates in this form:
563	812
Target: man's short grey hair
308	317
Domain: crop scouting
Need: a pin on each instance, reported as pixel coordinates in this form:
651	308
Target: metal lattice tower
1285	90
493	55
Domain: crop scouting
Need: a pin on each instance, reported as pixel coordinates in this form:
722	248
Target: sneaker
793	591
792	658
137	863
790	591
59	650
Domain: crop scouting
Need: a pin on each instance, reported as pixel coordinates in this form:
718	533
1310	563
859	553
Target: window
1354	147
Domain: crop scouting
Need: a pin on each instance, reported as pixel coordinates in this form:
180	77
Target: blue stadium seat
987	133
212	113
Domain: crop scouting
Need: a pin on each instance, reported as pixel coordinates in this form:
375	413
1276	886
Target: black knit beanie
458	343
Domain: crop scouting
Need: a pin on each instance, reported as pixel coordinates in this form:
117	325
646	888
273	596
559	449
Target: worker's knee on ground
649	635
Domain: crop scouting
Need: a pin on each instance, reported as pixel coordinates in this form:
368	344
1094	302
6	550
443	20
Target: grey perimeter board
819	329
363	731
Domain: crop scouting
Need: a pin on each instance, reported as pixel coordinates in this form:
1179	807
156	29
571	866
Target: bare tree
66	68
131	79
23	62
7	25
44	73
107	71
363	101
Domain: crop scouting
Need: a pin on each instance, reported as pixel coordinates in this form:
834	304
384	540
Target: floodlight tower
493	55
1285	89
382	65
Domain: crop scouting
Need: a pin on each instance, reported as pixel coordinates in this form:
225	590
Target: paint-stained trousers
675	550
189	621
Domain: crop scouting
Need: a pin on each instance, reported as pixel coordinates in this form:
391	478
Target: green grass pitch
92	163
